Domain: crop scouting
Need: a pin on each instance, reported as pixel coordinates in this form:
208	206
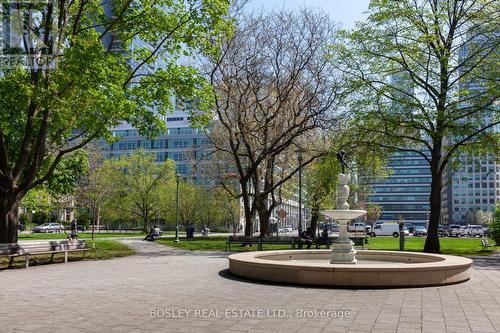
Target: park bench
241	240
278	240
485	243
293	241
32	248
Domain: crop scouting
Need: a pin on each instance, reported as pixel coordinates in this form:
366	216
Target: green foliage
68	172
405	47
413	88
40	217
102	76
373	212
140	185
199	206
320	181
38	199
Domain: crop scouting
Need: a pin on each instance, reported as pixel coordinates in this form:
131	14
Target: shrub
495	226
40	217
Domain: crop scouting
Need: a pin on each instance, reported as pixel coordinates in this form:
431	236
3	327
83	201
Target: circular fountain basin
374	268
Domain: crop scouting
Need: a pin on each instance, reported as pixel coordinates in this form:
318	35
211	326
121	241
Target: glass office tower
180	142
405	192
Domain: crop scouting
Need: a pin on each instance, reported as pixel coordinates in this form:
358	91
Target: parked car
330	226
48	227
388	229
474	230
420	230
456	230
442	230
285	230
356	227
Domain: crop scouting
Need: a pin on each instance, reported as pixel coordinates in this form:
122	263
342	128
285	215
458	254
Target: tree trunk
145	218
314	217
249	212
8	218
264	214
93	222
96	211
432	242
264	217
98	217
249	219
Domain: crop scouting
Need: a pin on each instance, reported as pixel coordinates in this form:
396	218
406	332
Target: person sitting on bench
307	237
153	234
324	234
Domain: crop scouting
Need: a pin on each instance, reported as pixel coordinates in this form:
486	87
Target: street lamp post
299	156
177	180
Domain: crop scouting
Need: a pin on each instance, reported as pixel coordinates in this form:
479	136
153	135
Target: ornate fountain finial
343	181
342	157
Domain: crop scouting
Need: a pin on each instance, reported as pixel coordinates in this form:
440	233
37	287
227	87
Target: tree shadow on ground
487	262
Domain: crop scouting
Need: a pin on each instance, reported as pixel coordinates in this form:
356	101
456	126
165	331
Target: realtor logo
28	32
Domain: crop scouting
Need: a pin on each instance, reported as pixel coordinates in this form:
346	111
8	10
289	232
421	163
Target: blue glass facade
405	193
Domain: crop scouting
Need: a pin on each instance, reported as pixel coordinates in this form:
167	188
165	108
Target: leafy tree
189	205
424	79
484	217
320	183
98	77
66	176
140	185
373	213
95	187
229	209
38	200
274	86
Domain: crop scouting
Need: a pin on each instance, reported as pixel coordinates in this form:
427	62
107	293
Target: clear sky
345	12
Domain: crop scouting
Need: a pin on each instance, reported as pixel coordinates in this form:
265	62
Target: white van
388	229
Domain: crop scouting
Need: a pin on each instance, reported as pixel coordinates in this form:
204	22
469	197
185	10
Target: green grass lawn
457	246
100	250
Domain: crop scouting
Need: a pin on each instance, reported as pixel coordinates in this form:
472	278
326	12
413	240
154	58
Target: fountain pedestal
343	251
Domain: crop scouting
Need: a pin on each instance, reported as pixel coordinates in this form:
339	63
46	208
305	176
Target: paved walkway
170	290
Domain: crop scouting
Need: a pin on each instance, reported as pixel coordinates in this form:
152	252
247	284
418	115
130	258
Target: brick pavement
130	294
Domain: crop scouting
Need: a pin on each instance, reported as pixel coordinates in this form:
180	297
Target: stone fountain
335	268
343	251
